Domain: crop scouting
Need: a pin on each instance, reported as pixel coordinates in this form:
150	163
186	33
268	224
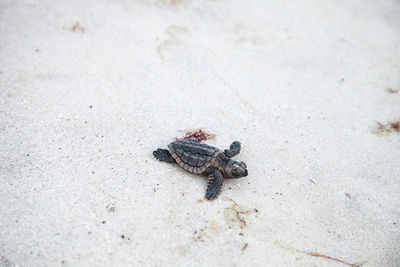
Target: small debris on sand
198	134
395	126
235	214
393	91
312	181
208	231
77	27
316	254
110	207
384	129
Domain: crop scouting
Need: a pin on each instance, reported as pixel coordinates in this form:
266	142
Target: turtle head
236	169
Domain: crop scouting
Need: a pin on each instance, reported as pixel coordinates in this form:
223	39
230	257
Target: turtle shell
192	155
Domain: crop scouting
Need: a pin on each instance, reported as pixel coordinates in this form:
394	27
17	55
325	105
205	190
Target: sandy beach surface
88	89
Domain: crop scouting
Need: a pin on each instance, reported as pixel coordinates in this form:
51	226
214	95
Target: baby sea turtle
206	160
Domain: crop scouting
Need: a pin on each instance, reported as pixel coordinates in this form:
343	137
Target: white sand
300	83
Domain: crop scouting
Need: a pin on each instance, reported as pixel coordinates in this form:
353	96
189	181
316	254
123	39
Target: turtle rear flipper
215	181
163	155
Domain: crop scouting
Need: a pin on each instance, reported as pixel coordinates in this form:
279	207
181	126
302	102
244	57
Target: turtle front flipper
163	155
215	181
233	150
